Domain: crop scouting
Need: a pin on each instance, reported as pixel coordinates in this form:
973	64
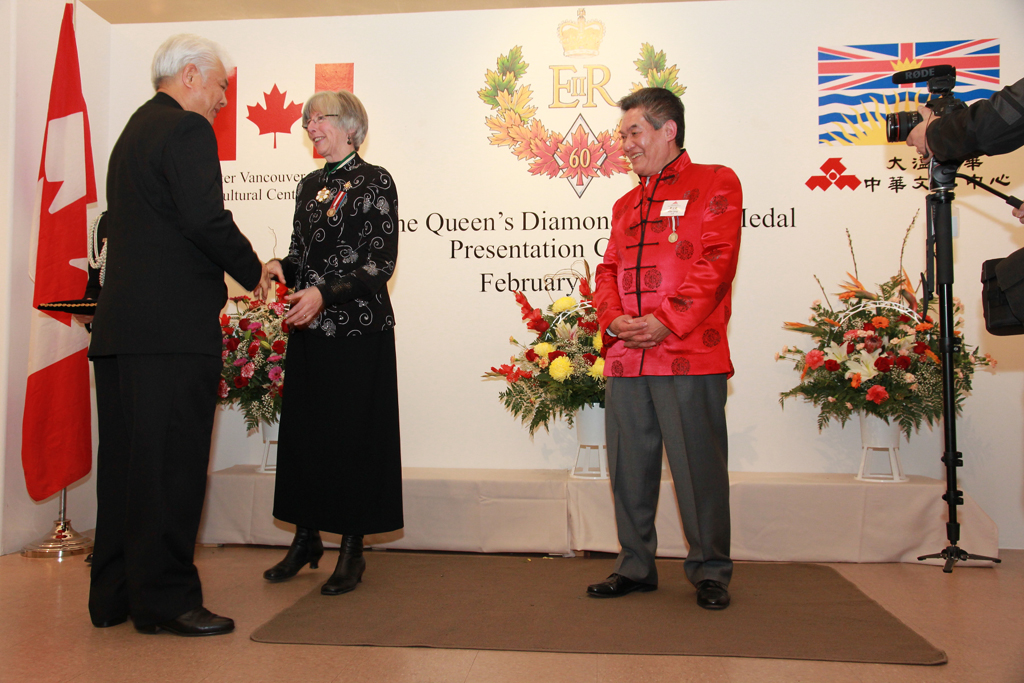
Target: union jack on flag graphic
855	89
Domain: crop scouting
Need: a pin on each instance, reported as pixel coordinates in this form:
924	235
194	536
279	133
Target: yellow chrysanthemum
543	349
597	369
560	368
598	341
563	304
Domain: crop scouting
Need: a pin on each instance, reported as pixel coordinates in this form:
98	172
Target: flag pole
63	541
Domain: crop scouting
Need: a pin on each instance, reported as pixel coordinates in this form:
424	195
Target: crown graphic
580	37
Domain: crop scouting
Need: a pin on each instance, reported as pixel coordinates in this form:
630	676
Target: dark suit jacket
170	239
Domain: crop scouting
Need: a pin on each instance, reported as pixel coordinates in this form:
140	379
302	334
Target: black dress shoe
197	622
712	594
618	585
107	623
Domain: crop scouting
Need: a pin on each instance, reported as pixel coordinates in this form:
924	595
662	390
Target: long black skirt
339	459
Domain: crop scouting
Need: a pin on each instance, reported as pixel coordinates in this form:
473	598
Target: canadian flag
56	445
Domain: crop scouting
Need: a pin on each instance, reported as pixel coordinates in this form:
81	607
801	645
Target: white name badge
674	207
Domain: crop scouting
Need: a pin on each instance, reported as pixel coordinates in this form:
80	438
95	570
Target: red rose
904	319
832	365
285	328
850	348
555	354
590	358
254	348
883	364
903	362
920	348
872	343
241	382
243	324
878	394
259	334
231	344
278	346
868	327
531	355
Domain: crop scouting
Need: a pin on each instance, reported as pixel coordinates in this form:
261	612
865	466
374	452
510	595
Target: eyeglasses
318	120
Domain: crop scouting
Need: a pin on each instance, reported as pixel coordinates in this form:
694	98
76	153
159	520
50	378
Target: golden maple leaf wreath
575	157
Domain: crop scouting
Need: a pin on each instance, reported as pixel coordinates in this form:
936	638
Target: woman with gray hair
339	463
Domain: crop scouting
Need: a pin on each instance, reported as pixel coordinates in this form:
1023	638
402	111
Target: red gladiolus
278	346
832	365
224	320
231	344
535	321
883	364
902	362
878	394
254	348
281	289
241	382
523	303
584	287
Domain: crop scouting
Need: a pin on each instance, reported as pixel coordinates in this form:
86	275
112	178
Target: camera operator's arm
993	126
916	137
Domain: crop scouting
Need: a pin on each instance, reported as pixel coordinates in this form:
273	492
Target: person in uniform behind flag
156	345
664	300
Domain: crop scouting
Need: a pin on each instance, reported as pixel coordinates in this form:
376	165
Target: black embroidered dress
339	454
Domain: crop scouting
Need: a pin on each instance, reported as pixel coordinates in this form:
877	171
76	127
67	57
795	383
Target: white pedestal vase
592	455
269	432
880	439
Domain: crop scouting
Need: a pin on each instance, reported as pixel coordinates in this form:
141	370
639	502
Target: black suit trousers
155	421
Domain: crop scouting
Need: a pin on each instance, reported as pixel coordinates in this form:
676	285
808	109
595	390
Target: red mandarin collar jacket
685	283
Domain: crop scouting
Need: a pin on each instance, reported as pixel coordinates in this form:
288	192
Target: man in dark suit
156	345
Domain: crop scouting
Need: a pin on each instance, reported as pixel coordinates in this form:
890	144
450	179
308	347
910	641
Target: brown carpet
488	602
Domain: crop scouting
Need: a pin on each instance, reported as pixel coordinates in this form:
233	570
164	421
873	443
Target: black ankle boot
306	547
351	566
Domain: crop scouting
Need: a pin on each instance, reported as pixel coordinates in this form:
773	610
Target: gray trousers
687	415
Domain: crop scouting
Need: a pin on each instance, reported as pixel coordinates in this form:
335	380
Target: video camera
941	80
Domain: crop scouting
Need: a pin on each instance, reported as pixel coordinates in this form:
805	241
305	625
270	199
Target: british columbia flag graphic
855	89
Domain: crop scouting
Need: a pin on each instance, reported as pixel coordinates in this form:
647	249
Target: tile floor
975	614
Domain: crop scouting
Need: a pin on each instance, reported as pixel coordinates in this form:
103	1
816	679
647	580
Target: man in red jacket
664	301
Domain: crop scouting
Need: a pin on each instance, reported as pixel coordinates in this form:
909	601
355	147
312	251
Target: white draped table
775	516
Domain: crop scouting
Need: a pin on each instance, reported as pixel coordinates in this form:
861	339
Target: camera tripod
939	271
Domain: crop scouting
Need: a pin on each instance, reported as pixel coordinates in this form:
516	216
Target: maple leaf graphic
580	158
276	118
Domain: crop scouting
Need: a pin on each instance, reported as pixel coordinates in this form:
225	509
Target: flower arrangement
255	342
877	353
562	370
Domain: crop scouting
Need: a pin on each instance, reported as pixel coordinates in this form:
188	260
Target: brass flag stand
63	541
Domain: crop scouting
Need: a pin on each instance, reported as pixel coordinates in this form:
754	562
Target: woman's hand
306	305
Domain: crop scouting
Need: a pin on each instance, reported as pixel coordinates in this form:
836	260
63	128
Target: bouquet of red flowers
255	342
562	370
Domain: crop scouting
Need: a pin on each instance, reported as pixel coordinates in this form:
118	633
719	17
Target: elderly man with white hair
156	345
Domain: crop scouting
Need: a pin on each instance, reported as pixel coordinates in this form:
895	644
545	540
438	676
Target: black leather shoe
196	622
618	585
712	594
349	571
306	548
107	623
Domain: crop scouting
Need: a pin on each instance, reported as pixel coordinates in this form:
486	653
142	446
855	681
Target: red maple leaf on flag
276	118
580	157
